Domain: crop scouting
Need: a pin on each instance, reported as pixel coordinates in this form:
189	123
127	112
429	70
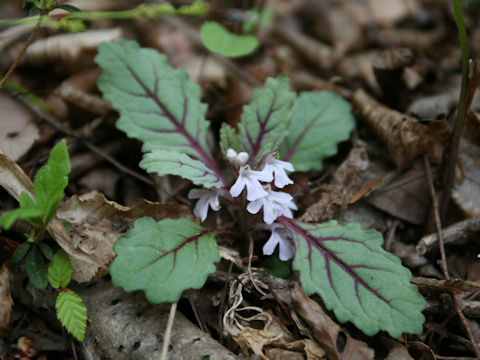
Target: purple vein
263	124
180	129
329	256
291	151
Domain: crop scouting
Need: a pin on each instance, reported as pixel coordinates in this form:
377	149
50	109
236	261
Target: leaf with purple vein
165	162
164	258
356	279
157	104
320	121
265	120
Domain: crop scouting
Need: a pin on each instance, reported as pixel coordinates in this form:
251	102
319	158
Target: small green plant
49	186
345	265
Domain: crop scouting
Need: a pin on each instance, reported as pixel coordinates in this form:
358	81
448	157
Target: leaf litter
408	111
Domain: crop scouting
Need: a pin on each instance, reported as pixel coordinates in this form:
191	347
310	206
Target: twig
438	223
22	52
168	331
443	260
249	268
53	122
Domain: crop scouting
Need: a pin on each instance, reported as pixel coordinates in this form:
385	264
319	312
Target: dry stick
249	268
22	52
168	331
443	260
53	122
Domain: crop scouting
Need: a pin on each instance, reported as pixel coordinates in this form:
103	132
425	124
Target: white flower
278	167
206	197
250	179
239	159
280	236
274	204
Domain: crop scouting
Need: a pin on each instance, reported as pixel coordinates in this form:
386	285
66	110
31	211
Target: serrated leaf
228	138
320	121
72	313
35	267
21	251
8	218
266	119
60	270
51	180
356	279
165	162
164	258
218	39
157	104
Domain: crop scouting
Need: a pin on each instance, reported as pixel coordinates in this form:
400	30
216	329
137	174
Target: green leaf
60	270
356	279
28	211
228	138
46	251
51	180
164	258
21	251
165	162
69	8
35	267
72	313
218	39
321	120
265	120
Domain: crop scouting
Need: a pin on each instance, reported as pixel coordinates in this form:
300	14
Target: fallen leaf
97	223
336	342
404	137
6	301
18	128
406	197
334	197
396	350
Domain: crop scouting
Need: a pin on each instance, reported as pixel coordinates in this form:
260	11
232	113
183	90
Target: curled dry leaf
404	137
97	223
388	67
337	343
18	130
335	196
65	48
6	301
360	66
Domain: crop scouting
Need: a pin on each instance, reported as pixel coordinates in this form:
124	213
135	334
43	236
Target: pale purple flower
251	180
278	167
206	198
280	236
274	204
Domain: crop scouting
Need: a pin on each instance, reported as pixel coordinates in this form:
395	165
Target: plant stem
22	52
455	141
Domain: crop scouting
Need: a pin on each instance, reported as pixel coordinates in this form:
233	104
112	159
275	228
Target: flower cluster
261	197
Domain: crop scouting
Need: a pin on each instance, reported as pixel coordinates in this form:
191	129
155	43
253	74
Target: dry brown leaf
18	130
64	48
327	332
388	12
335	196
404	137
97	223
360	66
306	347
407	197
388	67
396	350
466	194
6	301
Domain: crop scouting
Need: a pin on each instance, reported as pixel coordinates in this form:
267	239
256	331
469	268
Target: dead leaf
327	332
97	223
6	301
360	66
67	49
404	137
466	194
396	350
334	197
388	12
407	197
18	130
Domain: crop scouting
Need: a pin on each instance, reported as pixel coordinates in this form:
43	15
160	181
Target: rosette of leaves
159	106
